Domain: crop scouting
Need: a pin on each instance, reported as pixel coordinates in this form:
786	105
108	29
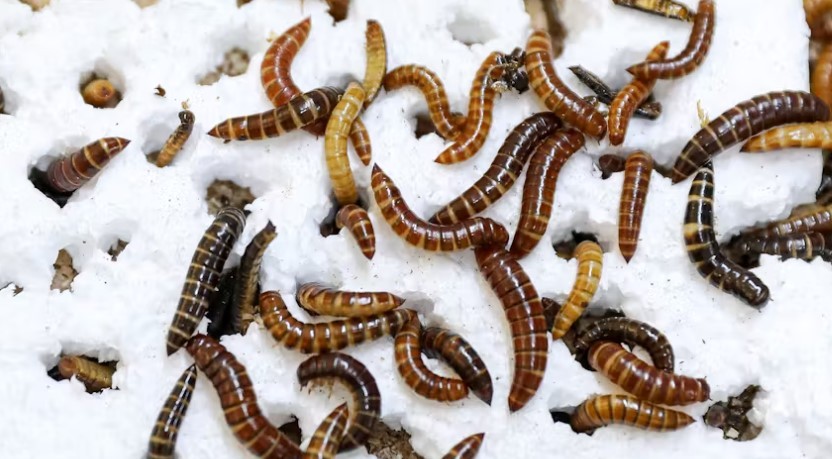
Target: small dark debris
64	272
224	193
292	430
116	249
732	416
562	415
386	443
160	91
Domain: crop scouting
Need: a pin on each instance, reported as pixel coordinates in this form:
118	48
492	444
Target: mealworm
360	138
446	123
631	96
239	401
639	167
473	232
220	310
622	329
100	93
338	9
804	135
93	375
177	139
610	164
326	336
330	302
554	94
459	355
503	172
166	429
276	68
590	264
605	94
335	144
804	246
604	410
815	218
2	101
539	190
467	448
376	61
69	173
703	249
417	376
362	385
816	16
666	8
327	437
746	119
821	83
204	275
245	290
358	222
524	312
691	57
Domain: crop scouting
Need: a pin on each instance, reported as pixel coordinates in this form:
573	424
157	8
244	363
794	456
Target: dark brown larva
248	277
204	275
177	139
524	312
813	218
323	300
166	429
447	124
467	448
362	385
610	164
358	222
459	355
804	246
69	173
630	97
604	410
639	167
276	68
624	330
239	401
666	8
93	375
817	13
328	436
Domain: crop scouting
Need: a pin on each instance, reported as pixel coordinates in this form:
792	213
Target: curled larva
276	68
461	356
628	98
358	222
624	330
446	123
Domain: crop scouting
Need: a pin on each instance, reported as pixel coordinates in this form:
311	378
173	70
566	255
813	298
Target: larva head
495	233
187	117
203	349
756	294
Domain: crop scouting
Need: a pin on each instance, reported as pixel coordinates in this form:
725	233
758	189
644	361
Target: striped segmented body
335	144
817	12
360	138
804	135
666	8
604	410
93	375
358	222
804	246
630	97
69	173
414	372
590	258
814	218
376	61
248	277
821	83
459	355
637	171
323	300
177	139
622	329
166	429
327	437
610	164
605	94
276	68
467	448
446	123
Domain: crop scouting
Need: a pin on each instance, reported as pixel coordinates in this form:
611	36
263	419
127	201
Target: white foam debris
121	310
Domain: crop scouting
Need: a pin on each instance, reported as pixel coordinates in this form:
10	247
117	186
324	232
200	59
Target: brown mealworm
327	437
358	222
630	97
804	246
638	168
69	173
604	410
446	123
803	135
459	355
360	138
666	8
245	288
467	448
622	329
93	375
590	258
166	429
276	68
326	301
177	139
822	74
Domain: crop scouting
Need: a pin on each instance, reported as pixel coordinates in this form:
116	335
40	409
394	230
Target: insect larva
177	139
327	437
691	57
610	164
746	119
376	61
358	222
524	312
338	9
622	329
299	112
330	302
472	232
69	173
643	380
817	12
631	96
447	124
804	135
804	246
326	336
276	68
539	190
605	94
639	167
245	290
239	401
220	309
822	74
558	98
362	385
467	448
815	218
93	375
666	8
335	144
459	355
360	139
824	192
204	275
590	263
100	93
503	172
166	429
2	101
604	410
703	249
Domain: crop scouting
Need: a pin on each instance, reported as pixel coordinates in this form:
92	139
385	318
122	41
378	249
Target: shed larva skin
93	375
417	376
604	410
691	57
744	120
177	139
446	123
503	172
554	94
703	249
245	290
204	275
643	380
362	385
467	448
610	164
327	437
358	222
630	97
605	94
69	173
821	83
590	258
816	14
239	401
299	112
376	61
804	246
163	436
276	68
473	232
804	135
459	355
326	301
539	190
335	144
637	171
360	138
326	336
527	323
666	8
624	330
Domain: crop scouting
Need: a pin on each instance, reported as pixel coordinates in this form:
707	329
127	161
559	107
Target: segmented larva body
539	189
327	437
69	173
524	312
467	448
326	336
414	372
822	74
245	289
459	355
100	93
276	68
590	258
804	246
360	138
362	385
177	139
624	330
557	97
610	164
163	436
335	144
605	94
703	249
692	56
816	15
239	401
637	171
804	135
376	61
503	172
204	275
816	218
473	232
643	380
93	375
299	112
446	123
358	222
631	96
2	101
666	8
604	410
326	301
746	119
